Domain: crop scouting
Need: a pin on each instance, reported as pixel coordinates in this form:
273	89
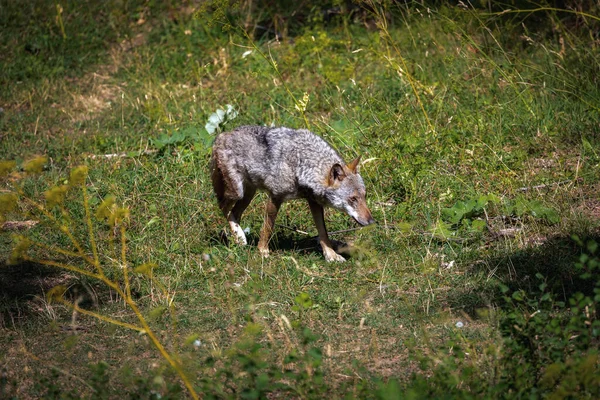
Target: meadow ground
479	138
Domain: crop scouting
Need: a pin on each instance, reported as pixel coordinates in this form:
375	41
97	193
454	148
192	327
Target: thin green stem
161	348
100	316
61	251
131	303
59	11
64	266
124	260
91	235
129	300
61	227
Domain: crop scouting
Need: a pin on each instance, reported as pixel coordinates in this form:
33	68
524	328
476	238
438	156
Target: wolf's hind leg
267	229
226	206
229	189
236	214
242	204
238	232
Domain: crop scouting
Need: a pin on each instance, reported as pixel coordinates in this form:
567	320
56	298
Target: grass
444	105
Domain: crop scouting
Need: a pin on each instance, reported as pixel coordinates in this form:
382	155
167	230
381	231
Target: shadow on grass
304	245
554	260
21	283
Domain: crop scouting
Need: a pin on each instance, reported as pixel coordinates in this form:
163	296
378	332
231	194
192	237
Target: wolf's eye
353	199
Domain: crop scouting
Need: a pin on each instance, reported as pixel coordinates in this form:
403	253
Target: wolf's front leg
267	229
317	212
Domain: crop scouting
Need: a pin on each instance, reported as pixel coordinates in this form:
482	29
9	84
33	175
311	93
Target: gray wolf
287	164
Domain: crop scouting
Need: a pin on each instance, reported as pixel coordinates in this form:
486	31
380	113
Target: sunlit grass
445	106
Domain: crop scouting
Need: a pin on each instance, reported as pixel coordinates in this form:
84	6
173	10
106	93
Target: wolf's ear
336	174
353	164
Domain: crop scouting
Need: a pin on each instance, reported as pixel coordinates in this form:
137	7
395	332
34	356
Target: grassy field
480	143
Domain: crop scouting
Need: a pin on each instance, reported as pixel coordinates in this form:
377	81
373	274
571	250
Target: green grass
443	105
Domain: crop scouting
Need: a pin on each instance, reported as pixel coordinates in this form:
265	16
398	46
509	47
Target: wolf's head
346	192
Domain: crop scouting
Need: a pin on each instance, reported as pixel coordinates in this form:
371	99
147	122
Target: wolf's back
278	160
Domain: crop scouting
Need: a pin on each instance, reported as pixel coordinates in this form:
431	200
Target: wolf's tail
217	179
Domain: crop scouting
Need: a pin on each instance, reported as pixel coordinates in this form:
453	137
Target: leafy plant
219	118
55	213
201	139
468	212
176	138
521	207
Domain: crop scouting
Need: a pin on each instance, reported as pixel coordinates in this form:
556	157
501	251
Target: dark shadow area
27	279
291	242
555	260
278	20
22	283
279	241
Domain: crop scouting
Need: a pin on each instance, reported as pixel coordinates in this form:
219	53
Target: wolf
287	164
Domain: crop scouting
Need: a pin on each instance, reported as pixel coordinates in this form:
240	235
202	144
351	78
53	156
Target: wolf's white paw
240	240
332	256
238	234
264	252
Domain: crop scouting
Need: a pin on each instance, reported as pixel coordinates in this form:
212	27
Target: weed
56	214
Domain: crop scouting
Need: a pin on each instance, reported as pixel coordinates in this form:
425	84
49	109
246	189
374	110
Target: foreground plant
54	214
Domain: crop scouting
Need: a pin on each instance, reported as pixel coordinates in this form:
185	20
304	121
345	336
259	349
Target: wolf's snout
364	221
368	222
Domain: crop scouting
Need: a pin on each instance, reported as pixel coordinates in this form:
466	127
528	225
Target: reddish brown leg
267	229
317	212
